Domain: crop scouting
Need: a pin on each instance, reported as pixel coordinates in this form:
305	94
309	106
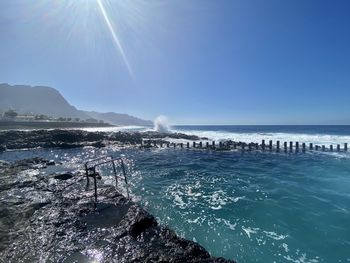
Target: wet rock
63	176
140	221
98	144
162	135
2	148
45	220
66	139
3	164
31	161
51	162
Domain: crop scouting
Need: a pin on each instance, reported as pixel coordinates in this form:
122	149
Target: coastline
60	138
15	125
214	196
58	214
61	222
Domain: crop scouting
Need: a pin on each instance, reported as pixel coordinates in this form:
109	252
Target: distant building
25	118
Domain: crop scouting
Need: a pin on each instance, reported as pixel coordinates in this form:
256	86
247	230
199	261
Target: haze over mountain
26	99
118	118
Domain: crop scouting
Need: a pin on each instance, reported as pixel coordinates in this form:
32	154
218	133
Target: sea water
250	206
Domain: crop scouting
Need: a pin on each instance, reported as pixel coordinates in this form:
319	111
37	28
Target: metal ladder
90	171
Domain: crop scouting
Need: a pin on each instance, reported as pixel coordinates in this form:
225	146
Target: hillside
118	118
48	101
37	100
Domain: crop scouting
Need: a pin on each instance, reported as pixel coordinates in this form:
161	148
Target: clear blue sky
199	62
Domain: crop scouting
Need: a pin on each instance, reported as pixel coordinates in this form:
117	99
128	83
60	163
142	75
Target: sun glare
114	36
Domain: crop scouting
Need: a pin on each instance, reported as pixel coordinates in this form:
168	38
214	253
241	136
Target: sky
196	62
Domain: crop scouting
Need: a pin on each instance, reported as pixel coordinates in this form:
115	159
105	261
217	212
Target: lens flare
114	36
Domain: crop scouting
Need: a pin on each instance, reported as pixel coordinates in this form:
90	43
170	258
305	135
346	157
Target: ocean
258	206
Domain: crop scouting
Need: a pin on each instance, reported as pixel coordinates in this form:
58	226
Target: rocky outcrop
63	139
172	135
51	218
16	139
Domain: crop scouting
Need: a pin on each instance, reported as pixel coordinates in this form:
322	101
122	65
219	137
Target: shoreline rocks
16	139
51	218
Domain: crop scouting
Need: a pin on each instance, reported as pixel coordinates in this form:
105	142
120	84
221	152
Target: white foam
285	246
274	235
227	223
258	137
249	230
161	124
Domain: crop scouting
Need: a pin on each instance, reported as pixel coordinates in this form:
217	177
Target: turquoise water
252	206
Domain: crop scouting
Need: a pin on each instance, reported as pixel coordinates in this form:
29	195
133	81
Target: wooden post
304	146
200	144
317	147
331	147
207	144
297	146
155	143
278	146
257	146
338	147
345	147
234	146
285	146
311	146
249	146
194	144
291	146
213	143
220	144
167	145
181	145
270	145
174	144
188	145
243	146
323	148
263	144
161	145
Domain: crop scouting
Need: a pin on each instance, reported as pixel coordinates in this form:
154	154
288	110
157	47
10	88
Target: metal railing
90	171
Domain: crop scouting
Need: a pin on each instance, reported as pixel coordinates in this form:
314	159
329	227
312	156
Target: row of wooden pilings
286	146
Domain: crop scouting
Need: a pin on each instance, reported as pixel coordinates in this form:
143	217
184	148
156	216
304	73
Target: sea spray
161	124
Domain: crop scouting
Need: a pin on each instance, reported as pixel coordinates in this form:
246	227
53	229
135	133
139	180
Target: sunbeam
114	36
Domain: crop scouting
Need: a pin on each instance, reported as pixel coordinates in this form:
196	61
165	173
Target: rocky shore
16	139
50	217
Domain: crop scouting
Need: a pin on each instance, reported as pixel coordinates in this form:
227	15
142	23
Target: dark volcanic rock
51	162
65	139
63	176
3	164
162	135
2	148
56	221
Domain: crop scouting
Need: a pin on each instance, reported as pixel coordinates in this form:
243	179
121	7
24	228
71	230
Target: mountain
48	101
118	118
37	100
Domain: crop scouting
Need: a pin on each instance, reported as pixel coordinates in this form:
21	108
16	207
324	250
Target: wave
257	137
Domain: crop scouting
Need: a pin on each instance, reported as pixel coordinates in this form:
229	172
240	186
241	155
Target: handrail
94	174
